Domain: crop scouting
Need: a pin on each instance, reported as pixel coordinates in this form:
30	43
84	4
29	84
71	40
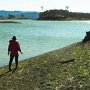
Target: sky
35	5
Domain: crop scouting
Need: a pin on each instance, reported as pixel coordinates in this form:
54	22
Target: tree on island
1	16
66	8
42	8
11	16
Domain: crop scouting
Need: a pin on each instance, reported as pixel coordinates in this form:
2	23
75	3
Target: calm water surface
37	37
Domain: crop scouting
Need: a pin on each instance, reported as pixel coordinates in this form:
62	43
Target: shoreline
62	69
60	49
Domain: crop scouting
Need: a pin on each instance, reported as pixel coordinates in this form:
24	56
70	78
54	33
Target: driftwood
67	61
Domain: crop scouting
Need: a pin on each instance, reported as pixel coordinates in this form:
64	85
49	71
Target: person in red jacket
13	49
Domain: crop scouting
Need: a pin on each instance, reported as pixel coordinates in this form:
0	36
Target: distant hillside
19	14
63	15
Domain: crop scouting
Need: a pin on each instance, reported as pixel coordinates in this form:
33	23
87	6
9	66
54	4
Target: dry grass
44	72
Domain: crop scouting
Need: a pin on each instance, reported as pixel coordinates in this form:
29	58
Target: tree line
10	16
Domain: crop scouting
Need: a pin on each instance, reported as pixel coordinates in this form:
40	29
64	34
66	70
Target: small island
9	22
63	15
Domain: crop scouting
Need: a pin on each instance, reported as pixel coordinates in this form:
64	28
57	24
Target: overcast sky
35	5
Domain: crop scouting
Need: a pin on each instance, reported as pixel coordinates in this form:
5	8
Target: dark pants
11	59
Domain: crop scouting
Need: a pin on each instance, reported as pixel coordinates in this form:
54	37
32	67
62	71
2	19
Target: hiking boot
10	69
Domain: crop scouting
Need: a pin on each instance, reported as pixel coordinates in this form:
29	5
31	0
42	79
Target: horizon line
43	11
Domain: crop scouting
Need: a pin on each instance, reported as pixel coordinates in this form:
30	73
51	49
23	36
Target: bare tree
42	8
66	7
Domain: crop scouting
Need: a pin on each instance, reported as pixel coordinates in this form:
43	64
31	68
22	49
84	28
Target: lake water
37	37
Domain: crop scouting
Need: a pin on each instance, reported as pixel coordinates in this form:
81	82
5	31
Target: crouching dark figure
87	37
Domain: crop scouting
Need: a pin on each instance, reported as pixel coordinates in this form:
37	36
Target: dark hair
14	38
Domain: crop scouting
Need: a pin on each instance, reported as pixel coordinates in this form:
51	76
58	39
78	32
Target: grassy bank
46	72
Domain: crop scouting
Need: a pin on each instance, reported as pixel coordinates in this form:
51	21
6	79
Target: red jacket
14	47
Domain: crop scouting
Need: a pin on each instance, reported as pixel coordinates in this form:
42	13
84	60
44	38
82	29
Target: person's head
14	38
